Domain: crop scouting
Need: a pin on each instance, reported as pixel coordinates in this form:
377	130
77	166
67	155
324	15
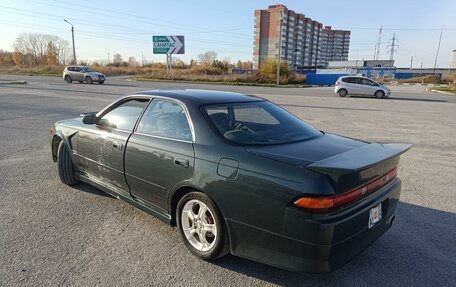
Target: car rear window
258	123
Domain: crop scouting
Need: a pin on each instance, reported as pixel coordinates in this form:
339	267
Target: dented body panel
253	186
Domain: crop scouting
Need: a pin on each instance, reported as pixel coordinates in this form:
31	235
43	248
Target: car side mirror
89	119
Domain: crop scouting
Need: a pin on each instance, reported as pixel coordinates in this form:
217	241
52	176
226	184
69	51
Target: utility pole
376	57
393	46
280	50
109	58
72	37
437	54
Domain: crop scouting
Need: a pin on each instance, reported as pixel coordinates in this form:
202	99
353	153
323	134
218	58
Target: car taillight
322	204
337	84
51	131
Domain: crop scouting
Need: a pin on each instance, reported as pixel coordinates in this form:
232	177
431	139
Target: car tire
65	165
101	82
201	226
89	80
379	94
342	92
68	79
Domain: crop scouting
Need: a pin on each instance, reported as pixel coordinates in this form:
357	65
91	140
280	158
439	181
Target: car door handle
181	162
117	145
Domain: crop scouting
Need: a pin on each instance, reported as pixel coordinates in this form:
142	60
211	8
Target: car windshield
258	123
87	69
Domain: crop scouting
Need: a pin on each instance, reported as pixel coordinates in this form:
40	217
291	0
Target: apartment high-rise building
304	42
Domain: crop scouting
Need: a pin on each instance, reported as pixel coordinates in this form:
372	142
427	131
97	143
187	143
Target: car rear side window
346	80
124	116
165	119
353	80
258	123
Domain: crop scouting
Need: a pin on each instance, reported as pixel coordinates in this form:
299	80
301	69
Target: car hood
304	153
96	74
74	123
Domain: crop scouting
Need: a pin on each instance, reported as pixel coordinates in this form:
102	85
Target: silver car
83	74
355	85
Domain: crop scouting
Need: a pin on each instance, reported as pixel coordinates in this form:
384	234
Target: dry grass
196	73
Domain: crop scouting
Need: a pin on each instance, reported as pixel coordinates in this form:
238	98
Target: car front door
101	146
159	154
369	87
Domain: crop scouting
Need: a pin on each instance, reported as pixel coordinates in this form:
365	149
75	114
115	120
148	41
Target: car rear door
160	153
76	74
101	147
355	86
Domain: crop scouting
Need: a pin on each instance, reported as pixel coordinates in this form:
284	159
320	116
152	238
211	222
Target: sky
104	28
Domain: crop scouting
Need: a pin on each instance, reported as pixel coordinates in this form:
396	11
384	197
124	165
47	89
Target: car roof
202	96
354	76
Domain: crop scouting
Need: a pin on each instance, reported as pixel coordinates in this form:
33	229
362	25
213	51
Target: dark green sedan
237	174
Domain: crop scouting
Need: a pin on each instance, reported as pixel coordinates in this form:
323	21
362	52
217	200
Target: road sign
168	44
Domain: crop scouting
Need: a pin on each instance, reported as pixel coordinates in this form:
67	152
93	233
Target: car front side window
124	116
165	119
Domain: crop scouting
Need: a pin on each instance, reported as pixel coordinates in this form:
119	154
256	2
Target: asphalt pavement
55	235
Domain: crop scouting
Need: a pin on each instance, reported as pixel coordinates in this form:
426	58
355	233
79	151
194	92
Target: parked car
83	74
354	85
237	174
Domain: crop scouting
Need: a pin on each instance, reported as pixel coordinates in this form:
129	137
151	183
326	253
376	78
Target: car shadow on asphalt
392	98
418	250
82	186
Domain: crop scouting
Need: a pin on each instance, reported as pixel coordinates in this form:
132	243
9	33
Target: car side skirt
114	192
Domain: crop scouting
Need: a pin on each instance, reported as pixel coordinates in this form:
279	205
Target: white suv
83	74
354	85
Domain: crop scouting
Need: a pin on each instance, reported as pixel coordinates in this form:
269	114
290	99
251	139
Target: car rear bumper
317	243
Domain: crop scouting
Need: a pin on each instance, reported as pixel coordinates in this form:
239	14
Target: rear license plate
375	215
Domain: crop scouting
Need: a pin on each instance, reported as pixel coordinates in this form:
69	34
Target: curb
18	82
440	92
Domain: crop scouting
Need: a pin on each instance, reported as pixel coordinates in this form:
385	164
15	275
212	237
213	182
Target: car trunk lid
347	162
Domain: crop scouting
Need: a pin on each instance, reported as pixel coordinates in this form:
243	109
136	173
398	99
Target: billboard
168	44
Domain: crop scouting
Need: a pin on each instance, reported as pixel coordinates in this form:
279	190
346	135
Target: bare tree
207	58
132	62
117	59
37	45
6	58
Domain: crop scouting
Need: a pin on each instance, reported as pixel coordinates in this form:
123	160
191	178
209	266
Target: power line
134	16
90	34
215	42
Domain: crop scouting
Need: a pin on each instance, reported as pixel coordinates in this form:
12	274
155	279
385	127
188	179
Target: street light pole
72	37
437	54
280	50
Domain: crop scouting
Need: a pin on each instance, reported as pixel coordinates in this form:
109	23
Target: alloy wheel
198	225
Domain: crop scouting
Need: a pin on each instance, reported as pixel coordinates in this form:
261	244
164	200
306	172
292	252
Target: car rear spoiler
360	165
